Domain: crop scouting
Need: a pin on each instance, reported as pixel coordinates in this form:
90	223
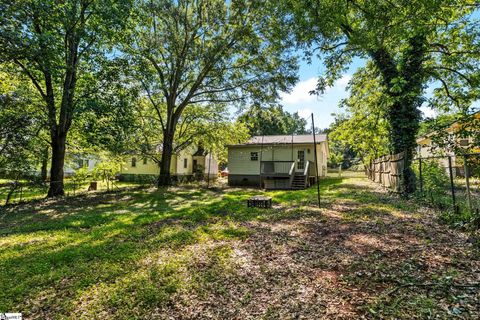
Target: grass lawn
31	191
188	253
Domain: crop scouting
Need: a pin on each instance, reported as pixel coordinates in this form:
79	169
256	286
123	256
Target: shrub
434	177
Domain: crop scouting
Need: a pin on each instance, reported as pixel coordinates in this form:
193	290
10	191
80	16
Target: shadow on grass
75	244
122	253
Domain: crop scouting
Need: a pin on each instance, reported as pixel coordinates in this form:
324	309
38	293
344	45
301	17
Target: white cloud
299	100
300	93
428	112
343	81
305	113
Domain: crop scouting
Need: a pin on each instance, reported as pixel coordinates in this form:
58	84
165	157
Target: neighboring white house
188	163
278	162
426	146
75	162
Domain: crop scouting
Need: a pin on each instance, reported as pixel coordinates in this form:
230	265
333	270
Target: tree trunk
56	171
165	178
404	115
404	120
44	165
13	187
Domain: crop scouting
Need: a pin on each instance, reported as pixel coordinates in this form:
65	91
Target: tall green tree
19	126
272	120
410	44
363	126
194	53
207	126
59	46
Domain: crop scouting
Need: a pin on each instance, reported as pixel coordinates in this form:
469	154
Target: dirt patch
393	264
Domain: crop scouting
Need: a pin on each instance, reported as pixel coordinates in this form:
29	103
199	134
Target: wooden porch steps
299	182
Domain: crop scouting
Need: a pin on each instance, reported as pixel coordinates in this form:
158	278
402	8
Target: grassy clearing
30	191
190	253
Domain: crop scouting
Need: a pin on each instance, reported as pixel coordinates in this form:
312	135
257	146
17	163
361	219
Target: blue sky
323	106
299	100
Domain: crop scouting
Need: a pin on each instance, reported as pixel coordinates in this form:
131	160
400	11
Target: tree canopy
272	120
193	55
363	125
19	126
409	44
61	46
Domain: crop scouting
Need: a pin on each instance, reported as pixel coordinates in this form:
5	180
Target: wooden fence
388	171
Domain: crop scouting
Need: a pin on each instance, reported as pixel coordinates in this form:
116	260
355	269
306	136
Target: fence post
208	172
420	175
467	183
370	169
452	187
404	170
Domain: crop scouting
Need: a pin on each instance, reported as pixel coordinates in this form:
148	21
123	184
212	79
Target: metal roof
285	139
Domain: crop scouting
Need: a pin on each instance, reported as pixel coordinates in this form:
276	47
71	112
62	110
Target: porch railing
277	168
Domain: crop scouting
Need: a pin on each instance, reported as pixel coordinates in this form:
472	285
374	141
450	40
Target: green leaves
409	44
272	120
19	125
364	126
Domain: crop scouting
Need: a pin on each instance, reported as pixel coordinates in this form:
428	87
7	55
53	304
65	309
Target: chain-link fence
450	183
16	187
16	191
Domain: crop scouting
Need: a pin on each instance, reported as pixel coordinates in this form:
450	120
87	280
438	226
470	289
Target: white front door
300	160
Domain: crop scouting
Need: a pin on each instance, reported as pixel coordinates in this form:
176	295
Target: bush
434	177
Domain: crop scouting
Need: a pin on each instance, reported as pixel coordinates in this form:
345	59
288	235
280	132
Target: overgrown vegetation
188	253
406	48
434	188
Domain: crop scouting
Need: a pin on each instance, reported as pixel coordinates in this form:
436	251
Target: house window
185	163
144	160
254	156
134	162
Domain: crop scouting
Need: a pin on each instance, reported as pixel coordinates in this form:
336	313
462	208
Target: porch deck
286	174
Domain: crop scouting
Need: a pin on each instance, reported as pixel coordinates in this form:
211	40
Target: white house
278	162
452	141
186	164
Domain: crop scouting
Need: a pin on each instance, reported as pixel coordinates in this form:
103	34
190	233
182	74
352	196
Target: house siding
239	162
184	154
211	166
242	168
176	165
150	167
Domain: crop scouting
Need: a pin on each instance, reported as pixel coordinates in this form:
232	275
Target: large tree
207	126
363	126
59	46
272	120
194	53
410	43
